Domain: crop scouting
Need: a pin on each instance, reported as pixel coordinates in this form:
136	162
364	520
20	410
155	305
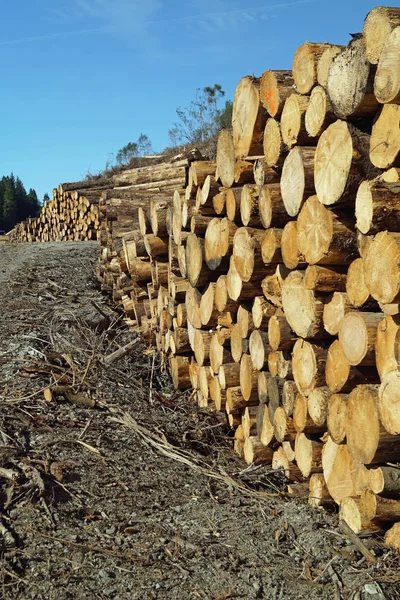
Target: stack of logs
71	215
270	278
271	281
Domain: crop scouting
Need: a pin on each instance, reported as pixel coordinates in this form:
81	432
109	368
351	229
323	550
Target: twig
88	548
108	360
186	458
151	380
349	533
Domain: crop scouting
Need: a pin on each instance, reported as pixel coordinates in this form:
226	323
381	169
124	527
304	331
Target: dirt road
120	488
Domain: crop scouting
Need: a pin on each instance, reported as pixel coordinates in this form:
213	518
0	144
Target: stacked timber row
271	282
71	215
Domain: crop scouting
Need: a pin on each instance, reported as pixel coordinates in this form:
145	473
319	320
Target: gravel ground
118	487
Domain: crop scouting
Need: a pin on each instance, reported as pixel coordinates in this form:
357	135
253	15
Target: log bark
325	279
325	62
350	82
232	204
280	336
255	452
249	214
271	208
262	311
378	207
179	366
248	118
275	87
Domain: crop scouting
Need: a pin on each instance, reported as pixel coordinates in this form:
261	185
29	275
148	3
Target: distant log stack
270	278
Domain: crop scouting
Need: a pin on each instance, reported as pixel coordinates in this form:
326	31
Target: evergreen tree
32	204
46	198
10	211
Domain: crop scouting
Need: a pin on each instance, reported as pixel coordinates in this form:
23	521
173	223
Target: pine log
305	64
302	308
218	354
319	114
392	537
387	349
293	127
319	495
341	162
238	344
338	465
259	349
336	417
274	149
248	118
271	288
381	267
249	214
325	62
317	404
387	80
297	180
218	242
357	336
378	25
229	375
325	279
192	303
356	288
385	138
337	369
350	82
263	174
232	204
255	452
308	362
275	87
238	290
244	172
308	455
225	170
271	246
271	208
291	255
334	311
366	440
235	400
262	386
262	311
280	336
389	402
248	378
245	322
247	253
179	366
378	207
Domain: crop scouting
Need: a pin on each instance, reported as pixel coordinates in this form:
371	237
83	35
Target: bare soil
119	487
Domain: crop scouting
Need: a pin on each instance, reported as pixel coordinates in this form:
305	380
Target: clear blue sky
81	78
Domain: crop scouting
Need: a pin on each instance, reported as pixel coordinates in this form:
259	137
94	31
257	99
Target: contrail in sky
50	36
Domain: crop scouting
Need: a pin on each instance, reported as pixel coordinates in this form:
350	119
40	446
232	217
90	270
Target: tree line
16	204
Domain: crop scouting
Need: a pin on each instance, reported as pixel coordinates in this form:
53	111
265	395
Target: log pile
71	215
270	279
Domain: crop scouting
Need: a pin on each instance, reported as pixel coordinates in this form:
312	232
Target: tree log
378	25
378	207
385	139
248	118
382	267
308	362
275	87
297	180
305	64
387	80
357	336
